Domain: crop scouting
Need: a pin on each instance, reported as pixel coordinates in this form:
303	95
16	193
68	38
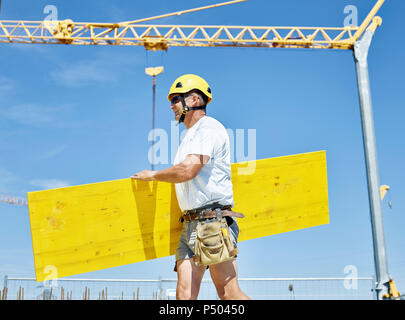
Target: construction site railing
361	288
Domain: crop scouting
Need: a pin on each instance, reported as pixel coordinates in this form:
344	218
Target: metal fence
165	289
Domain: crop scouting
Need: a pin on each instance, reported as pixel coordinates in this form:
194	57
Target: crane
161	37
13	200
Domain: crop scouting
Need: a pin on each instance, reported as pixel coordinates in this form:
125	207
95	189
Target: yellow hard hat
188	82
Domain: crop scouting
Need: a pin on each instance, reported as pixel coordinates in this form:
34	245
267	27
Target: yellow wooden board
101	225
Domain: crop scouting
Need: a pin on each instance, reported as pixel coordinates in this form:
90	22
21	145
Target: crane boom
160	37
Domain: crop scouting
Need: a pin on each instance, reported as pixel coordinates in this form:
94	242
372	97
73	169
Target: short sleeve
203	142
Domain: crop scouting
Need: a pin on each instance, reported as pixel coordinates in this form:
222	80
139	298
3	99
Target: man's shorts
185	248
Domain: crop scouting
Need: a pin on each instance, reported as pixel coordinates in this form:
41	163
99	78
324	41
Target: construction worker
202	177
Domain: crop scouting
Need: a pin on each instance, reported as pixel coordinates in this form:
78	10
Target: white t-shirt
213	183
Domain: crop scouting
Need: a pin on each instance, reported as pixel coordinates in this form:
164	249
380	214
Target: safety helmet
188	82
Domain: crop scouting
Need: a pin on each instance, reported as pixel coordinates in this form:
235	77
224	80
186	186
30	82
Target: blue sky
72	115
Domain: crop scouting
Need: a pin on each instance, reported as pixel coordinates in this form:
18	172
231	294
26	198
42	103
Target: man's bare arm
182	172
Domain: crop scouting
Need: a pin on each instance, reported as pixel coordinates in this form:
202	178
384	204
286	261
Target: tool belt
213	243
214	210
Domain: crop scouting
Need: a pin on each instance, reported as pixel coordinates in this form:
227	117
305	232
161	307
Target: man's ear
196	101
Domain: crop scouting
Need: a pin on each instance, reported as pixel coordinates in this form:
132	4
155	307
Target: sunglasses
175	99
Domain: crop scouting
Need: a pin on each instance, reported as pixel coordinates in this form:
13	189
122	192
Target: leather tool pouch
213	243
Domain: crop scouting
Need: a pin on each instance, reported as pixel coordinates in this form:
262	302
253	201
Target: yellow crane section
161	37
383	190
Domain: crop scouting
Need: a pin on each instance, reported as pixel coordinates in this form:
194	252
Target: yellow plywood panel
101	225
284	194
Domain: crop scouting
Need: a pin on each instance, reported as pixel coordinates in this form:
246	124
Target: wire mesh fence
309	288
165	289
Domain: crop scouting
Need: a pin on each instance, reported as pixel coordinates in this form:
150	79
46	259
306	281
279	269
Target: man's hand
145	175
